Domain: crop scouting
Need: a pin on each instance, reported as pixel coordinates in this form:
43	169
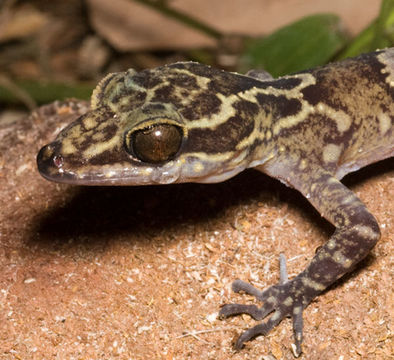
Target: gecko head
172	124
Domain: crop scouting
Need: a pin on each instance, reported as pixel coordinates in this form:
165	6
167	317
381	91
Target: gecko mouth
53	166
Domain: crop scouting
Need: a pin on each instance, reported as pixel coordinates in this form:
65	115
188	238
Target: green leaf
306	43
378	35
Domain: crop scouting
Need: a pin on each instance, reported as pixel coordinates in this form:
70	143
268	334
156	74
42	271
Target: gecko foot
286	299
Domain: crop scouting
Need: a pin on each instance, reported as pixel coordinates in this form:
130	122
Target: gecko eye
155	143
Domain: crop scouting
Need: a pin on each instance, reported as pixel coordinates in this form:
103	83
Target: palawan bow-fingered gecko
188	122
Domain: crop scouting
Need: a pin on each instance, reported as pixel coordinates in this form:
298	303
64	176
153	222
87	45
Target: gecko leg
356	233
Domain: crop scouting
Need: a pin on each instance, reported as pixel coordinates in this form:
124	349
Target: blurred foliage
316	40
42	92
306	43
303	44
378	35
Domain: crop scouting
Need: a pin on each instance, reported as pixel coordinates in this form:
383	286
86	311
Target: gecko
188	122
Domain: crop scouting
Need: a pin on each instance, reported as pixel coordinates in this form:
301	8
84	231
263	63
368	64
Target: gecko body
188	122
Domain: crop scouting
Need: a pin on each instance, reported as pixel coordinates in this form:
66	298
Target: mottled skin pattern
307	130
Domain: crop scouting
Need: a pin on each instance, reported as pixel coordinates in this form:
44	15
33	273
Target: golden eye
155	143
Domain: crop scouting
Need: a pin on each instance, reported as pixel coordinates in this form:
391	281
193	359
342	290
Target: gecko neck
281	106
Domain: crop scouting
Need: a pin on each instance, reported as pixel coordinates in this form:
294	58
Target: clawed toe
260	329
239	285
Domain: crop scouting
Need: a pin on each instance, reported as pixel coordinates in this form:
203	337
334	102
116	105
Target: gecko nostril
58	161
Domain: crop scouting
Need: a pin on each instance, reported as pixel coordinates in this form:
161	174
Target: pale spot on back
384	123
331	153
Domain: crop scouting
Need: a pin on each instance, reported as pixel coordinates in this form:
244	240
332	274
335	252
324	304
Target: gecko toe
239	285
260	329
298	324
252	310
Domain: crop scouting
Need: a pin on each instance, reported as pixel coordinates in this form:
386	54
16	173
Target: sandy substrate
140	272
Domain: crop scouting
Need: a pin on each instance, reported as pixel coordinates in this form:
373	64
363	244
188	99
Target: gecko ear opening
155	143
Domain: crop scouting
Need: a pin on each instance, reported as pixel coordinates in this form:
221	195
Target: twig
17	91
195	333
182	17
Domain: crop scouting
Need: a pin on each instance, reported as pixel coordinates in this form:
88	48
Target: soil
140	272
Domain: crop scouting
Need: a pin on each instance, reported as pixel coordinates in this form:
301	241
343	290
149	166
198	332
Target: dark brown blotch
166	94
246	109
280	106
109	132
148	78
184	81
284	83
204	105
223	138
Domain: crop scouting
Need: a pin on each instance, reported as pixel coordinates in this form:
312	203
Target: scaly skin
188	122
